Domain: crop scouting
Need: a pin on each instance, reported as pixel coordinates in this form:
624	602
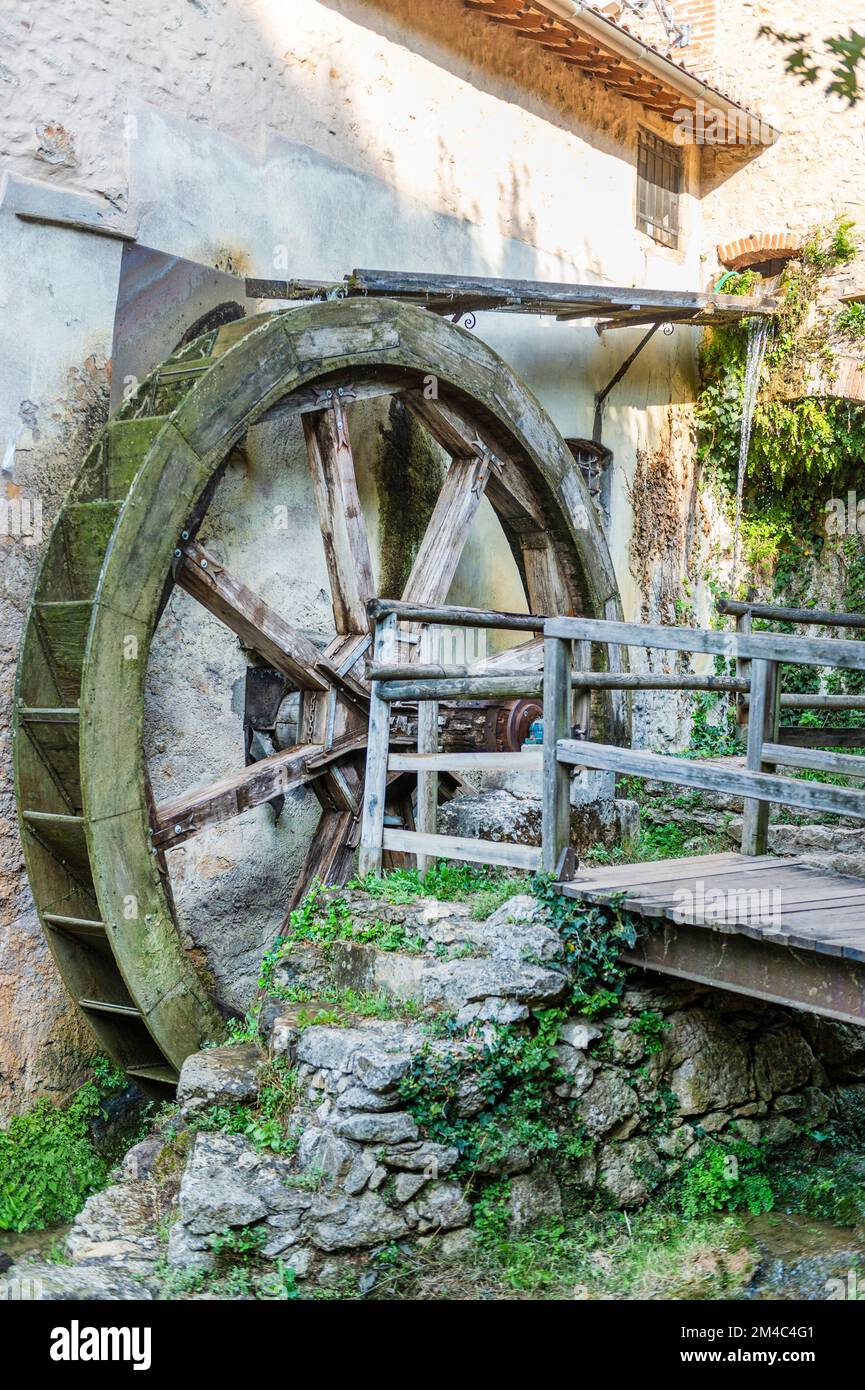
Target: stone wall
402	1124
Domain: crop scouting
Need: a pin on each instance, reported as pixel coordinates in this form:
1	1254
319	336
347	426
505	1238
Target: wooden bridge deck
772	928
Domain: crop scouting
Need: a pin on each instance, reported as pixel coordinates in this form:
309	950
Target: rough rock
711	1065
76	1283
628	1171
442	1206
118	1227
139	1161
337	1222
422	1157
609	1106
229	1183
219	1076
579	1033
534	1199
783	1061
455	983
367	1127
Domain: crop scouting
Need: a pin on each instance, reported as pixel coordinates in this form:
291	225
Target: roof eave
612	35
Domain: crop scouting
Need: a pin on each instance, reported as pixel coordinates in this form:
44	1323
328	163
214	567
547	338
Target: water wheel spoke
445	537
257	625
346	545
184	816
329	856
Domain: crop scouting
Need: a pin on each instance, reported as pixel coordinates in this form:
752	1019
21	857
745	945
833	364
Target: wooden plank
821	617
343	530
445	537
635	876
842	764
820	736
810	796
87	528
465	688
556	791
450	615
378	741
526	857
766	646
427	747
184	816
327	859
63	630
257	625
828	702
465	762
762	728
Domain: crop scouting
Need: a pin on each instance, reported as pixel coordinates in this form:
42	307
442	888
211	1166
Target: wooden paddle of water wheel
94	839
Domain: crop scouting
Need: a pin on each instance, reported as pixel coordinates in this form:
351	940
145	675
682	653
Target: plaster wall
271	139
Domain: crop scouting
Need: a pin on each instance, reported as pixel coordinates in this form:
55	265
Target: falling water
758	338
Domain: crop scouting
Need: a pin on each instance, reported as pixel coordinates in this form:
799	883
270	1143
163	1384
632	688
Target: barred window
660	170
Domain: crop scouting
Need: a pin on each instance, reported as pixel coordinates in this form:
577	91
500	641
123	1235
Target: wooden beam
427	746
257	625
444	539
378	743
343	530
469	762
556	793
455	616
525	857
819	760
466	688
327	859
184	816
762	729
706	776
767	646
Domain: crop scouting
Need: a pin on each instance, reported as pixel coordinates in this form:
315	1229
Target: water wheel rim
271	359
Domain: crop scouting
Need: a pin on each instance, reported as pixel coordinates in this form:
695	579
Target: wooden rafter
343	531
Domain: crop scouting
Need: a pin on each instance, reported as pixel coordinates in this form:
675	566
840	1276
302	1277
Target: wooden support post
556	833
427	742
583	700
743	671
375	788
762	728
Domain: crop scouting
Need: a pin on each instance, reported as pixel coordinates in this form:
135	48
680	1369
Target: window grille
660	170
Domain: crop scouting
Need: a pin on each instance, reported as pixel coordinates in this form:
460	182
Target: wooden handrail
770	612
758	646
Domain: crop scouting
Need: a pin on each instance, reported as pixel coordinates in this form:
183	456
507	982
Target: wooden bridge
753	923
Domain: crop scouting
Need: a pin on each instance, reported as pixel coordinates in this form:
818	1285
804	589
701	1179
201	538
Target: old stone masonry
421	1058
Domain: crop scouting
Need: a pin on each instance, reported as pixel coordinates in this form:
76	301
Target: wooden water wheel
94	840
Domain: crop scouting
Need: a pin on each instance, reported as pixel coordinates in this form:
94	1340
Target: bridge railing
760	655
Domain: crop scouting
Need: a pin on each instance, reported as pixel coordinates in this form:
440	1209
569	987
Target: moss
409	475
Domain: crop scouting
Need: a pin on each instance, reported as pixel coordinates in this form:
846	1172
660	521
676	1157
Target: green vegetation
483	888
795	435
512	1070
728	1176
266	1122
851	320
48	1162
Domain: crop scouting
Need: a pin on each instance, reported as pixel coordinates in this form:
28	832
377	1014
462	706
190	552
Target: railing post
377	748
743	669
762	728
427	742
556	822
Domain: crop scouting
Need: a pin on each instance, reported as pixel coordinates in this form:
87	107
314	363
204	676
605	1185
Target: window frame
660	185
